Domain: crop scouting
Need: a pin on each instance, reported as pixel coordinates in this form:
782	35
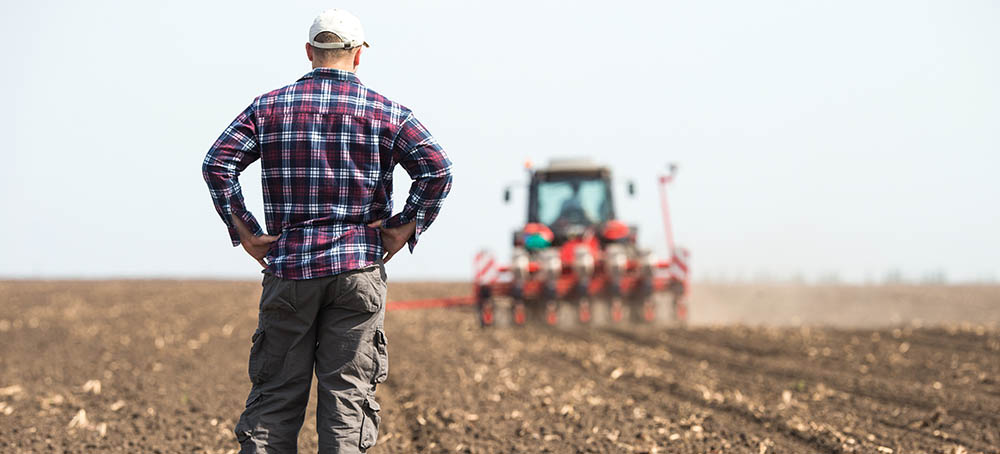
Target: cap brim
334	45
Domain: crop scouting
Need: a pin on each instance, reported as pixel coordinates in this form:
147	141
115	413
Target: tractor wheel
518	315
649	310
585	314
551	313
486	313
617	310
678	302
680	311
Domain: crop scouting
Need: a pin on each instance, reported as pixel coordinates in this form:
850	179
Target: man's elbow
206	170
211	171
444	169
446	182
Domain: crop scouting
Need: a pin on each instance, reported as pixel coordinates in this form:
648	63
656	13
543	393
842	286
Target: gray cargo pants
334	324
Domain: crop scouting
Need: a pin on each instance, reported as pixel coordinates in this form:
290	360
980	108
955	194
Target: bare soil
160	367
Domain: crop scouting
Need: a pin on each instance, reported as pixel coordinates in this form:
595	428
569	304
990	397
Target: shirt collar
331	73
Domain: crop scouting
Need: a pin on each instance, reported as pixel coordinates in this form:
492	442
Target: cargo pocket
381	358
370	420
258	358
271	340
267	356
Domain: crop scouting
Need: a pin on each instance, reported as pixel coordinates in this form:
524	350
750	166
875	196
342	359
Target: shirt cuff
419	227
248	220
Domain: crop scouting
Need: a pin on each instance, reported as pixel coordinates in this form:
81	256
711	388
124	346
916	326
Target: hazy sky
848	137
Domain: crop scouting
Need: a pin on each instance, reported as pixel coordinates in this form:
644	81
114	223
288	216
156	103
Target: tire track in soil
908	352
741	367
844	382
741	340
959	337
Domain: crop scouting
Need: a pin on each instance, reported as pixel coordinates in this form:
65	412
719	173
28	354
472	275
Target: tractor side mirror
506	195
631	188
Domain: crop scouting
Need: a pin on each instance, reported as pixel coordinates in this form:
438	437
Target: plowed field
160	367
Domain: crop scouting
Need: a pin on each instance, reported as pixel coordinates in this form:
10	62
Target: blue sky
813	138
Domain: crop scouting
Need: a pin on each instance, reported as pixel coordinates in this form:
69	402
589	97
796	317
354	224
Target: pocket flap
372	404
381	358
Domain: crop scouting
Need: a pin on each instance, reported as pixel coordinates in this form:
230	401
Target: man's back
327	146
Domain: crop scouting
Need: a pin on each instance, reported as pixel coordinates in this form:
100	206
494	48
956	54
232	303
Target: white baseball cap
340	23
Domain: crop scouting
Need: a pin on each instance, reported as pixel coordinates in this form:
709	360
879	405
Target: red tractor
576	262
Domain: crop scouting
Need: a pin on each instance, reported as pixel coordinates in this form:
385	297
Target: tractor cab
570	201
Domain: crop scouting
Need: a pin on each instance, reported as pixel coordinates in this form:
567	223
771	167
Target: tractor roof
572	165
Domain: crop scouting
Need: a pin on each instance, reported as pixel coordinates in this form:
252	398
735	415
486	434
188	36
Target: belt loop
381	269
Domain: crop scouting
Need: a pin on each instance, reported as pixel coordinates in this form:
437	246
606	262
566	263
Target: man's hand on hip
394	238
255	245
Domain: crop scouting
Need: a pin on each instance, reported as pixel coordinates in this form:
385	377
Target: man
327	146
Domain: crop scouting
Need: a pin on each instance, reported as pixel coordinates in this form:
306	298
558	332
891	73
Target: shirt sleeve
429	167
235	149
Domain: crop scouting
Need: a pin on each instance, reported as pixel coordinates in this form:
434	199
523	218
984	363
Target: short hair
327	55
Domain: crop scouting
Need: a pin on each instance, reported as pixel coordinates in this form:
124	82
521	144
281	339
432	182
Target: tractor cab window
573	202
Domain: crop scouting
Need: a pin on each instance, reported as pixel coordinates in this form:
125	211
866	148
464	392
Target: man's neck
341	66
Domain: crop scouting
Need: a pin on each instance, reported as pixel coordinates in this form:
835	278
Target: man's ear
309	51
357	57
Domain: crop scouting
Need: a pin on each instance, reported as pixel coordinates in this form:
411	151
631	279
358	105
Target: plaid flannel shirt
327	146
